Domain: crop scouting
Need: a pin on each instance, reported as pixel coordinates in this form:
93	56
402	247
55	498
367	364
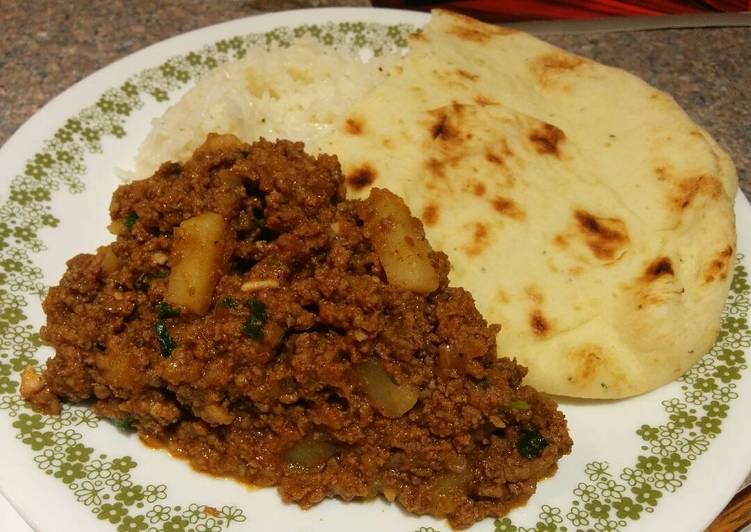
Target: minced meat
309	371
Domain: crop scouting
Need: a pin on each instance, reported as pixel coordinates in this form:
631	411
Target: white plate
667	460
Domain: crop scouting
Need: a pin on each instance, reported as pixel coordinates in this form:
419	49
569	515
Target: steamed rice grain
295	93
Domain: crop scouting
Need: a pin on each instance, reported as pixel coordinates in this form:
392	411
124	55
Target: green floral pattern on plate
607	501
604	500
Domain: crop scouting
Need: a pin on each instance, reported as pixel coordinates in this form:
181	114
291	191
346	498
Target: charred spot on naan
479	241
484	101
508	207
442	128
448	143
662	173
478	189
687	190
538	323
502	296
450	79
438	168
586	361
470	34
498	153
435	168
361	177
547	139
493	158
430	214
607	238
449	120
719	266
534	294
467	75
561	241
559	60
548	68
659	267
575	271
354	125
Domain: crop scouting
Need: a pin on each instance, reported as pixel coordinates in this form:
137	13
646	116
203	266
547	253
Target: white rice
296	93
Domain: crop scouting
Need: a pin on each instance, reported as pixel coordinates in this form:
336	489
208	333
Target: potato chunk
310	452
196	260
110	262
400	243
448	490
390	399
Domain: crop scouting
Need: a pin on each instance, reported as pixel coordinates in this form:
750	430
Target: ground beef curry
250	319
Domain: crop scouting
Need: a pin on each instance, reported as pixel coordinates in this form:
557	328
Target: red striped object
507	10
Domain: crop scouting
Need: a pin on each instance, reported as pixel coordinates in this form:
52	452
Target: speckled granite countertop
47	48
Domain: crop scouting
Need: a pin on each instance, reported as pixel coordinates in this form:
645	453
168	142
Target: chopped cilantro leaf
520	405
166	343
164	310
125	423
130	220
253	326
531	443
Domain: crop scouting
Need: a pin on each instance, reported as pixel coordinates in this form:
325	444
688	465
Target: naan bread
582	208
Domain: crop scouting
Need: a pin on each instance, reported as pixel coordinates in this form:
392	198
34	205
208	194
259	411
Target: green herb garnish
164	310
125	423
130	220
142	283
520	405
531	443
228	302
253	326
166	343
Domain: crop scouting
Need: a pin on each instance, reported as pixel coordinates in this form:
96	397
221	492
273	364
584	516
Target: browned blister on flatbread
582	208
